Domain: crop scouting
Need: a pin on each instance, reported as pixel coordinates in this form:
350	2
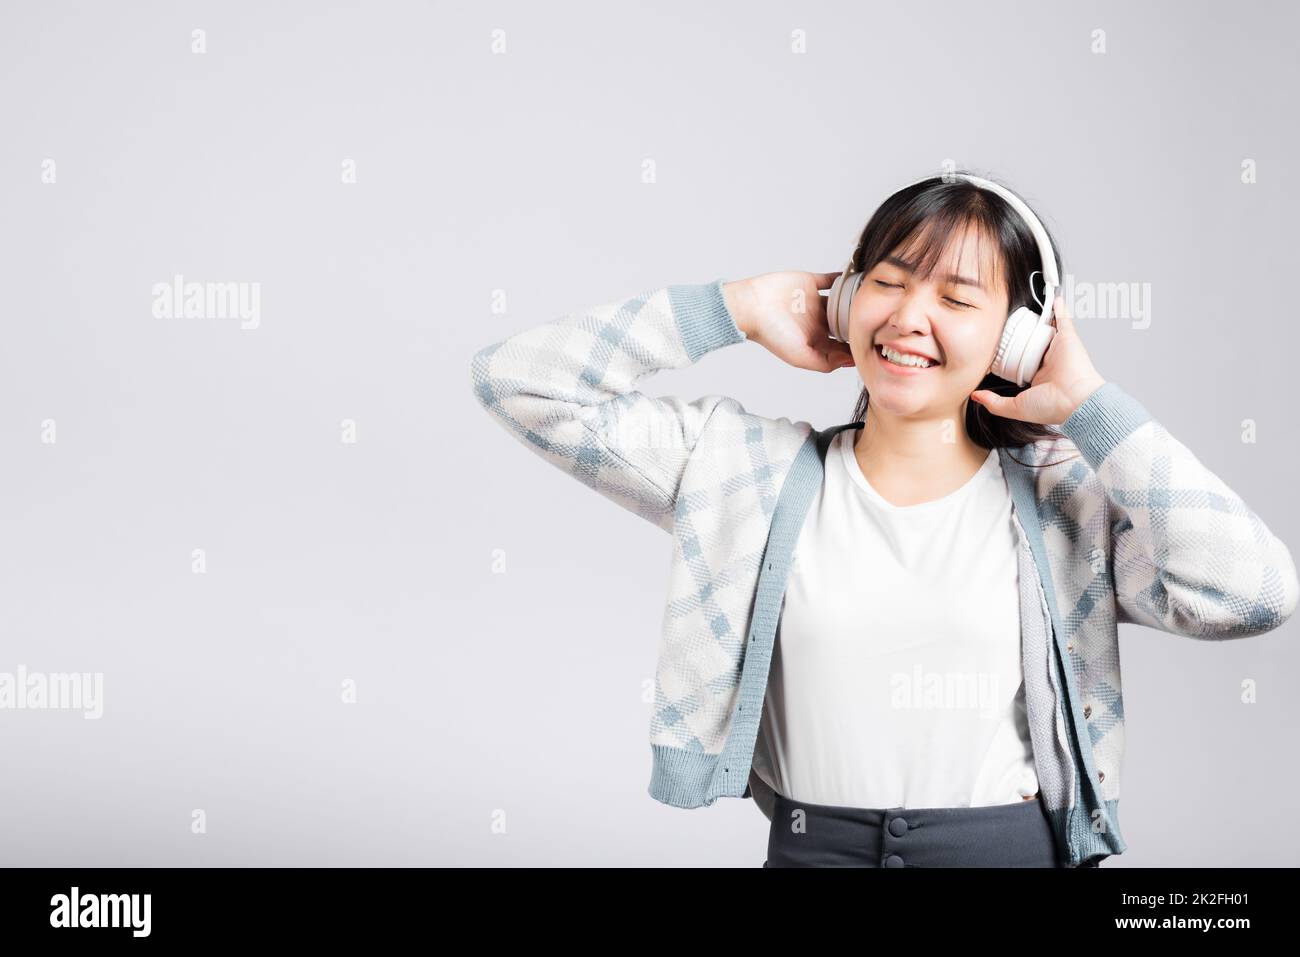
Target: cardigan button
1087	711
1101	775
1070	647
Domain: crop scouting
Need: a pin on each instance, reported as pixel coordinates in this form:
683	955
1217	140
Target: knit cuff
702	317
1102	421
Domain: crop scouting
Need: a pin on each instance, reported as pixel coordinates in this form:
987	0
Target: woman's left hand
1065	378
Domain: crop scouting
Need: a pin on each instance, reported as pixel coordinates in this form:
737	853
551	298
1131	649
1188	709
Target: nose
910	315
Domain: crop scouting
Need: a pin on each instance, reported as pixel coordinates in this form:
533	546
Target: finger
829	361
813	358
827	279
833	358
997	404
1064	321
822	342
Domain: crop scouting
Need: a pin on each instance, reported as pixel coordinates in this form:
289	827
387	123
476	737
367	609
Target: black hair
924	216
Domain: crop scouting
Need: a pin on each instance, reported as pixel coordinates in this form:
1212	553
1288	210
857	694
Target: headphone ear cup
1024	342
1040	337
838	303
833	307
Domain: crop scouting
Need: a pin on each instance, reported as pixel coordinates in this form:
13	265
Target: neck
910	459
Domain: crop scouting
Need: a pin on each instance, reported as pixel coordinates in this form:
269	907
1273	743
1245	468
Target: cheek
867	319
970	343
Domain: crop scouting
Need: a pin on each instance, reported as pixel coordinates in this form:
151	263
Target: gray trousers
821	835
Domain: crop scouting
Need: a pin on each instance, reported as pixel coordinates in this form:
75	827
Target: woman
898	635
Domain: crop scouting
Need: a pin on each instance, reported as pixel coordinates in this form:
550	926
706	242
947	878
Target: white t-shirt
896	679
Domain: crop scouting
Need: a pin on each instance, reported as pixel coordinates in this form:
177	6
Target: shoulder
1065	484
733	425
1050	453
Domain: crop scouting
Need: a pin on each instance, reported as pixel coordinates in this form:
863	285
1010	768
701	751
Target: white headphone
1026	333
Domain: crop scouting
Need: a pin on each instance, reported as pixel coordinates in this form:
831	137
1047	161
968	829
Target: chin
891	401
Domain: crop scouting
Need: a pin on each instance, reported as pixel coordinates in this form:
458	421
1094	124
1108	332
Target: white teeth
903	359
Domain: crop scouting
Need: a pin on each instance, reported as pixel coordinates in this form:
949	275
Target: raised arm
1190	557
568	390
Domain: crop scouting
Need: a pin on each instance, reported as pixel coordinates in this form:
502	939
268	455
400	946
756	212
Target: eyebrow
950	277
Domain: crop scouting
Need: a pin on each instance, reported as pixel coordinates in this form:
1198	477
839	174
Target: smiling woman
944	263
824	593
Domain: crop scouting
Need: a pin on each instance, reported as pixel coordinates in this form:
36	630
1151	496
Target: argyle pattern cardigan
1122	525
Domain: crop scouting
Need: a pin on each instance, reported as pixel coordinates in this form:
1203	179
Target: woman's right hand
783	312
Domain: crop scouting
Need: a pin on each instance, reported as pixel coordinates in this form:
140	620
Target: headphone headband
1045	252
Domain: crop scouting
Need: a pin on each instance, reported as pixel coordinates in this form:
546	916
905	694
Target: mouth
900	365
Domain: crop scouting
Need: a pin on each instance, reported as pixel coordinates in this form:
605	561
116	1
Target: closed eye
955	302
